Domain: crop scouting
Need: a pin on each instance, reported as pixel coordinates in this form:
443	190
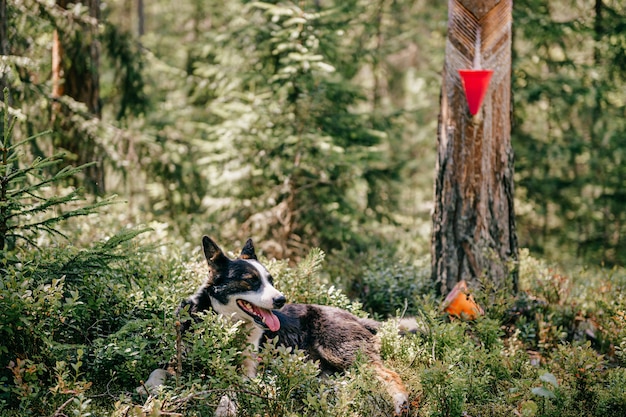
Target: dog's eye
270	279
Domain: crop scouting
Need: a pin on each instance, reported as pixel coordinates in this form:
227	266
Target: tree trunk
75	73
4	46
57	67
141	18
474	234
82	81
4	41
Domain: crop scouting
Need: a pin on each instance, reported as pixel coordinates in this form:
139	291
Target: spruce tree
287	148
27	204
570	129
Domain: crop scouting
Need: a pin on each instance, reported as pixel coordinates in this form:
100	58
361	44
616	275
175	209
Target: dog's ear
213	254
248	250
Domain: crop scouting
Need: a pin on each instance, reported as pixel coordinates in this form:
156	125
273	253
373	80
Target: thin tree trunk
473	223
606	225
75	73
57	68
57	73
4	24
140	18
82	81
4	50
376	57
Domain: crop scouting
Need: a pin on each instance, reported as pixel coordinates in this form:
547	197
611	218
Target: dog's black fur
329	335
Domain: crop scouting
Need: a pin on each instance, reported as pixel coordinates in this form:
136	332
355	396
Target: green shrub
28	205
53	305
445	391
304	283
130	354
387	286
611	400
82	327
287	384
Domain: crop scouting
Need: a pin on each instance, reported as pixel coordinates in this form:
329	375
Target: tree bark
474	235
75	73
57	66
4	43
82	81
141	18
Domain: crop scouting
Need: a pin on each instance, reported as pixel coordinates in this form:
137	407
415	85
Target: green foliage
445	389
387	286
215	351
25	197
128	65
450	367
611	400
54	304
291	115
305	283
305	124
570	127
86	136
288	384
128	355
263	124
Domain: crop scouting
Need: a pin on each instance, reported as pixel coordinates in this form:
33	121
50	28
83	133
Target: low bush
388	286
82	326
84	345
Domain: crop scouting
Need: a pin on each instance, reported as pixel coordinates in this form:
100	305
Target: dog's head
242	287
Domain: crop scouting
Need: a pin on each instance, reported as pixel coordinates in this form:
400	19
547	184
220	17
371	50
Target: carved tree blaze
473	221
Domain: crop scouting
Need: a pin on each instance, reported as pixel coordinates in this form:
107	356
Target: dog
243	289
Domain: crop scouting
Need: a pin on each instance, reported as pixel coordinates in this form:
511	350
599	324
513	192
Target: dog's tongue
269	318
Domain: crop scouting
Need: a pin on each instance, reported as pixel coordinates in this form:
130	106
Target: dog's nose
279	302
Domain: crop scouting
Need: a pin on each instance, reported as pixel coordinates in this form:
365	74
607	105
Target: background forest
132	128
316	128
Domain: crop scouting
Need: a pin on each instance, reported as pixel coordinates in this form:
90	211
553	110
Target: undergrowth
84	320
80	344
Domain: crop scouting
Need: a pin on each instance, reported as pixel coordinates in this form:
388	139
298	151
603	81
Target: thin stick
58	411
179	351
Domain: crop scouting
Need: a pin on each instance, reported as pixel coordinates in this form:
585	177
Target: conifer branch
25	197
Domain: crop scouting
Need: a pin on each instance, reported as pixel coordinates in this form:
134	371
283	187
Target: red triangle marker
475	84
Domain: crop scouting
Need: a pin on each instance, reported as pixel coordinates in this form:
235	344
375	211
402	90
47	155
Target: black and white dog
243	290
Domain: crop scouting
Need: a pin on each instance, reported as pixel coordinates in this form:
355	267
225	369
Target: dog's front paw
226	407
